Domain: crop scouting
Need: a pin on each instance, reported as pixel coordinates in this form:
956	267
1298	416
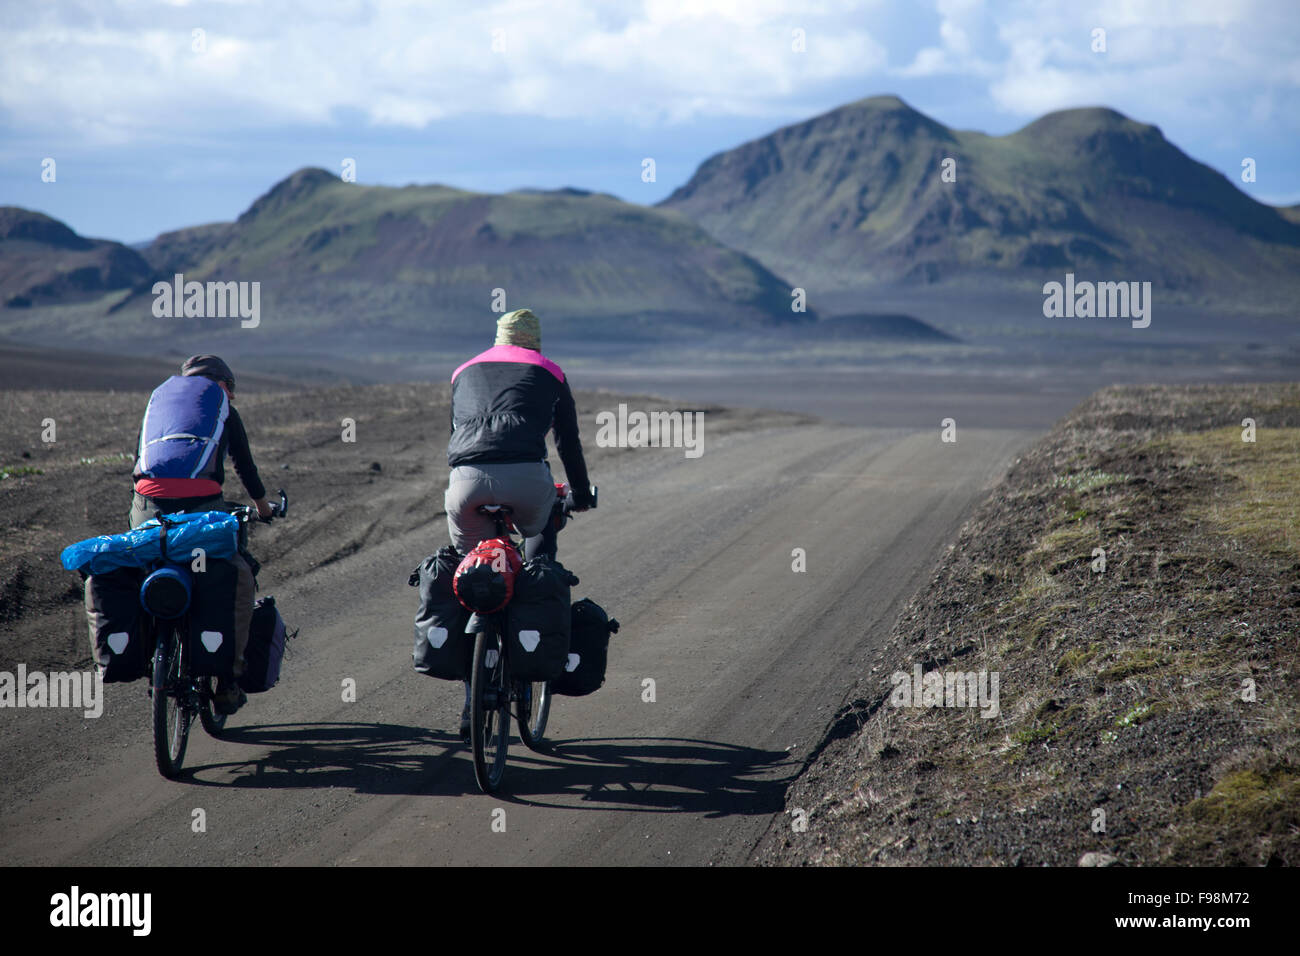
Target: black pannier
265	649
537	621
442	648
584	671
117	632
212	620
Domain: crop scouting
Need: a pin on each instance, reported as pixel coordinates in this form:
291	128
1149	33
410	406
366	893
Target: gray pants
142	509
526	486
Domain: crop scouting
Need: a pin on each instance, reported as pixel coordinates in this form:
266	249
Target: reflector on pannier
584	671
212	620
117	639
537	620
442	648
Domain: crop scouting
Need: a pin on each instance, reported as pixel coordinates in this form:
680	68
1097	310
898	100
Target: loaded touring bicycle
160	601
507	627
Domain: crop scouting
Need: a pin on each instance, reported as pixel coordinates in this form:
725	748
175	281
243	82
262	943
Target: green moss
1073	660
1032	735
1253	814
1136	661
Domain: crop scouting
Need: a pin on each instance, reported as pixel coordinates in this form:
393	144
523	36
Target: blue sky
154	126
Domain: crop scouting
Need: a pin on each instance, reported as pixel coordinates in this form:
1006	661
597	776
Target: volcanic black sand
746	658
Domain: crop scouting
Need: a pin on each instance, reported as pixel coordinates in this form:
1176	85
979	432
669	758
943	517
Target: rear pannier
265	649
442	648
117	639
537	621
212	620
584	671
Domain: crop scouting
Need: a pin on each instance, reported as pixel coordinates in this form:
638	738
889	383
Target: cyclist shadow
369	758
657	774
652	774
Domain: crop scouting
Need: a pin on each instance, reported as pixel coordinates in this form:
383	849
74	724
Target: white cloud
126	72
1198	63
406	64
1175	60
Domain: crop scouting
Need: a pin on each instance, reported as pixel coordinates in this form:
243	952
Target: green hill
855	199
335	255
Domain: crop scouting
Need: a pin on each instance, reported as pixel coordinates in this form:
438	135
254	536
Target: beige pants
527	487
142	509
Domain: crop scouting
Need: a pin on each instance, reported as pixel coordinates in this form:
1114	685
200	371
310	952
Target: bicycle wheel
534	710
489	714
170	719
213	723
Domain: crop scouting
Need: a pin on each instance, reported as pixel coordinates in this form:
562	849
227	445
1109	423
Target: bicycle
492	690
176	695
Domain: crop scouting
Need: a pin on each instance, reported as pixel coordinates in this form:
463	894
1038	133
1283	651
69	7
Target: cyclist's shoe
228	698
464	724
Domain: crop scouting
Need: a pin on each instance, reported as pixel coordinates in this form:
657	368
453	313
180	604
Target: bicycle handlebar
279	509
566	497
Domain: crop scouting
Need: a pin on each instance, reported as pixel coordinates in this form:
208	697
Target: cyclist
188	429
503	402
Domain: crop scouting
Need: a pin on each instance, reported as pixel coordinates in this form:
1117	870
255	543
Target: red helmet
485	580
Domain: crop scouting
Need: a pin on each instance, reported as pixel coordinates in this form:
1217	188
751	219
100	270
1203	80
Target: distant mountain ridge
422	256
843	205
856	198
42	260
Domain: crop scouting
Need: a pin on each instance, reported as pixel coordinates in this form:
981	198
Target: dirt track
694	557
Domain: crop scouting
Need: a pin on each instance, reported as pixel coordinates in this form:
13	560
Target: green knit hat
521	328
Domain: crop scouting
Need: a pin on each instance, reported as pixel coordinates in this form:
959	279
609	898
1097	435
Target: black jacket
503	402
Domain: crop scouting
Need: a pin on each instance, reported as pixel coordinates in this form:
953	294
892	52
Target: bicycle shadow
652	774
655	774
366	757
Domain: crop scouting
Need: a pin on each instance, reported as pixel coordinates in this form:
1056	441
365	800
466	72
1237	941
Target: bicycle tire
213	722
489	725
170	718
534	713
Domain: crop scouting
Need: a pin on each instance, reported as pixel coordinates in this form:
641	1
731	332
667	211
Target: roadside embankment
1125	608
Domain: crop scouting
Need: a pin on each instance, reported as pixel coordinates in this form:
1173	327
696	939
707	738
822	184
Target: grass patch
1073	660
19	471
1135	716
1261	798
1261	505
1130	662
1089	480
1254	813
1070	540
105	459
1032	735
